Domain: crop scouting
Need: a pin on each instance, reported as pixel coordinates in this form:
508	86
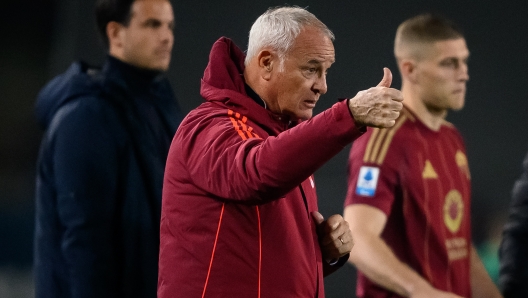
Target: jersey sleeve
372	171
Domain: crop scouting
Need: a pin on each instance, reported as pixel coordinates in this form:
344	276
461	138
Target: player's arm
481	284
373	257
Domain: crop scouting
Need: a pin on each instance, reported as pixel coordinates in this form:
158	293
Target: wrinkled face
147	40
301	82
442	75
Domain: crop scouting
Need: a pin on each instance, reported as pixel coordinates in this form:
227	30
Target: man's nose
167	34
463	72
320	85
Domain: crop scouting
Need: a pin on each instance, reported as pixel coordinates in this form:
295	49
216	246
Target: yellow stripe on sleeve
388	140
370	143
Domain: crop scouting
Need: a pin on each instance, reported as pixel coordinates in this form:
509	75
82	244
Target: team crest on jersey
453	210
428	171
367	181
462	163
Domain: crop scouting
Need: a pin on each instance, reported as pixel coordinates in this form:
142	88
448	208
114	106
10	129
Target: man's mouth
163	52
310	103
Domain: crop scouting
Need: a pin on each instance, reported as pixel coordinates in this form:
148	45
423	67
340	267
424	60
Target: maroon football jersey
420	178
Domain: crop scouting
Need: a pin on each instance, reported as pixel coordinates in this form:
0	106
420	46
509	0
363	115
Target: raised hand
377	106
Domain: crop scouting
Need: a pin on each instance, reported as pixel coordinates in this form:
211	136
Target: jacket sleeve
513	251
253	170
331	268
84	162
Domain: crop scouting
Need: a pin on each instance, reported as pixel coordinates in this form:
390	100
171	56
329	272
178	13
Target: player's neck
432	118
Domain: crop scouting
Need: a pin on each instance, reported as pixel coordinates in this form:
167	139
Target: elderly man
239	210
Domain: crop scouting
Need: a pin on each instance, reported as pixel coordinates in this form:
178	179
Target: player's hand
334	234
377	106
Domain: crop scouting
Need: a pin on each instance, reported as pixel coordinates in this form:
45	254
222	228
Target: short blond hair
416	33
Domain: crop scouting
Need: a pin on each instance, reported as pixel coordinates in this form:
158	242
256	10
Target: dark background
39	39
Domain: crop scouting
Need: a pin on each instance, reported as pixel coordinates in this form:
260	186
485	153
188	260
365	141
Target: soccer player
408	199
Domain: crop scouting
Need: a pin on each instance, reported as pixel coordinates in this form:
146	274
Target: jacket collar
223	81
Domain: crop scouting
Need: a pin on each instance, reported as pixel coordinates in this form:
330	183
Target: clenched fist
334	235
377	106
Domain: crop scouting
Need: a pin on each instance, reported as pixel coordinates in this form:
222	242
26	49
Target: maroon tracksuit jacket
238	193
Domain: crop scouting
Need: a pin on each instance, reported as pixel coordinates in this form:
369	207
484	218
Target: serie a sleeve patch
367	181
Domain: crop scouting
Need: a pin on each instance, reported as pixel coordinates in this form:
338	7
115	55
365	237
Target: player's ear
408	69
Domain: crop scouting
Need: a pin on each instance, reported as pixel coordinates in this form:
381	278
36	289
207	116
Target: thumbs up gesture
377	106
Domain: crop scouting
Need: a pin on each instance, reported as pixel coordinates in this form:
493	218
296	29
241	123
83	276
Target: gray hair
278	27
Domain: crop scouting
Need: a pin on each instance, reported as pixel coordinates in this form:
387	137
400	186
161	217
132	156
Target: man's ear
266	61
115	34
408	70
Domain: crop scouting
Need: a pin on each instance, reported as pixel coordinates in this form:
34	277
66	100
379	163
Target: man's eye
310	71
153	23
449	63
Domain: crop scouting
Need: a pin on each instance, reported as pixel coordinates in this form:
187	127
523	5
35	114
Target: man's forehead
315	51
320	60
433	50
152	8
450	48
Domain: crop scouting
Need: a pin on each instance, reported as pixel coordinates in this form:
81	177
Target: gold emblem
428	171
462	163
453	210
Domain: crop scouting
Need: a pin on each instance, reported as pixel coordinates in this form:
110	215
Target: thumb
318	217
387	78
